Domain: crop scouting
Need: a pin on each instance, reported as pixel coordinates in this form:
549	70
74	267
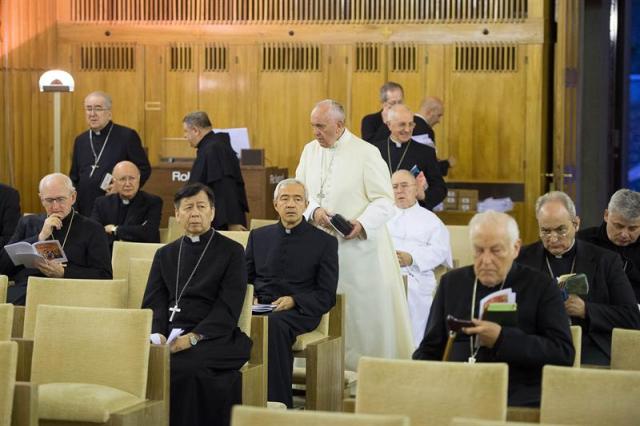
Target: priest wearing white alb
346	175
422	244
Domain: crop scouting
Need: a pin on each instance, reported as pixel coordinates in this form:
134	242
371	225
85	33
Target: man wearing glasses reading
610	301
83	241
99	149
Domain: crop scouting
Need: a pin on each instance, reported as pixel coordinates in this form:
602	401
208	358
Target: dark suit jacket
610	302
9	213
142	223
373	128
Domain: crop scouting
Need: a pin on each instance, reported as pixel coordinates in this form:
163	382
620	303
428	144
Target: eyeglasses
125	179
97	109
51	201
410	125
559	232
402	186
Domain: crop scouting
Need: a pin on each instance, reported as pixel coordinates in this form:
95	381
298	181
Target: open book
500	307
26	254
574	284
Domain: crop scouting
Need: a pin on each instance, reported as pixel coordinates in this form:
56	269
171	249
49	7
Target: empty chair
6	321
625	349
8	365
432	392
137	281
125	250
251	416
259	223
588	396
460	245
4	283
238	236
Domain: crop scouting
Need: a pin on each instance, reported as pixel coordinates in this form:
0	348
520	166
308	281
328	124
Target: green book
505	314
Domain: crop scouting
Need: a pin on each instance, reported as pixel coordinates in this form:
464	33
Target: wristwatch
193	340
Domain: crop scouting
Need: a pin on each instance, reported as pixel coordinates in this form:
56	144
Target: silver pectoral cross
321	195
93	169
173	310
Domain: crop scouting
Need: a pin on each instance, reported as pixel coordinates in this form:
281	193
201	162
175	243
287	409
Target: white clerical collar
414	206
396	143
561	255
125	201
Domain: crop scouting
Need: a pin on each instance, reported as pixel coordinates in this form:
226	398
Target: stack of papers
261	308
496	204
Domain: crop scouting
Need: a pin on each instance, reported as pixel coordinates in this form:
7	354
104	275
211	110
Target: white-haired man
373	127
541	335
619	232
610	301
83	240
346	175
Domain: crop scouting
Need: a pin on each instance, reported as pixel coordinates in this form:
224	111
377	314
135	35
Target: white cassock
352	179
423	235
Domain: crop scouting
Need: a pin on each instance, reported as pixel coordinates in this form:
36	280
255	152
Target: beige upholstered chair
91	365
4	283
387	386
174	230
137	281
251	416
323	349
259	223
460	244
8	365
164	235
241	237
125	250
576	337
254	373
6	321
625	349
462	421
70	292
588	396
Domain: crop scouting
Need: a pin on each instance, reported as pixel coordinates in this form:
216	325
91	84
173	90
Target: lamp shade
56	81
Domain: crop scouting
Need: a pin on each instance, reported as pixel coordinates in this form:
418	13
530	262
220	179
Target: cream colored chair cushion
625	349
6	321
71	292
244	322
241	237
123	251
432	392
174	230
4	283
460	244
576	337
137	283
588	396
8	365
461	421
104	347
251	416
259	223
320	333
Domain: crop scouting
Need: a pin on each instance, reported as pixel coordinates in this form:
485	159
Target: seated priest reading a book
64	244
294	268
196	289
128	214
499	311
605	298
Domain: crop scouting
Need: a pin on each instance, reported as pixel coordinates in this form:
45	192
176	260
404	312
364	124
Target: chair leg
325	375
25	405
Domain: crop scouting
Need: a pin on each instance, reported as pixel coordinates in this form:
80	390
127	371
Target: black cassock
412	154
9	213
217	166
86	248
123	144
205	379
302	263
139	220
541	337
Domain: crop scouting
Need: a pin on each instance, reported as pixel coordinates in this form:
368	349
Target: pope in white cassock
346	175
422	244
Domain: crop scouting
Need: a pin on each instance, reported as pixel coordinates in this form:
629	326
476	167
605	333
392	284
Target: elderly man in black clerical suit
541	334
217	166
83	240
9	212
129	214
610	301
198	284
400	151
430	112
619	232
294	266
99	149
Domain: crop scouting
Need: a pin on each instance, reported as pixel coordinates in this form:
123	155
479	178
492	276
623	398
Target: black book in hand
342	225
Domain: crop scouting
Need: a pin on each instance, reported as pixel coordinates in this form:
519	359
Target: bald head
405	189
57	194
126	179
432	110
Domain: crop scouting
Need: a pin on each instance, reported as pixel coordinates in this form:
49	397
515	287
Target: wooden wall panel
368	74
406	65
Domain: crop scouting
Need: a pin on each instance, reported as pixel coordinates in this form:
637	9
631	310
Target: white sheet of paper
175	332
239	138
106	181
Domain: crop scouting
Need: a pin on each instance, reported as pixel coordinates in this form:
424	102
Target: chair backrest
4	283
71	292
259	223
460	244
101	346
576	337
244	322
249	416
625	349
125	250
463	421
389	386
8	366
137	281
241	237
174	230
587	396
6	321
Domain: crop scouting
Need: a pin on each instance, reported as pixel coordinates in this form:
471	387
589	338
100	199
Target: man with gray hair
619	232
294	267
83	240
541	332
610	301
99	149
217	167
373	127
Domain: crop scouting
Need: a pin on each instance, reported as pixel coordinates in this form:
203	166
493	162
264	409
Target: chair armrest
25	354
18	321
336	317
25	405
349	405
523	414
260	338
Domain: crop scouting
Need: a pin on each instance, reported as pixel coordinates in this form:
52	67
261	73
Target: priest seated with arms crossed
198	284
609	301
129	214
82	240
294	266
541	333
